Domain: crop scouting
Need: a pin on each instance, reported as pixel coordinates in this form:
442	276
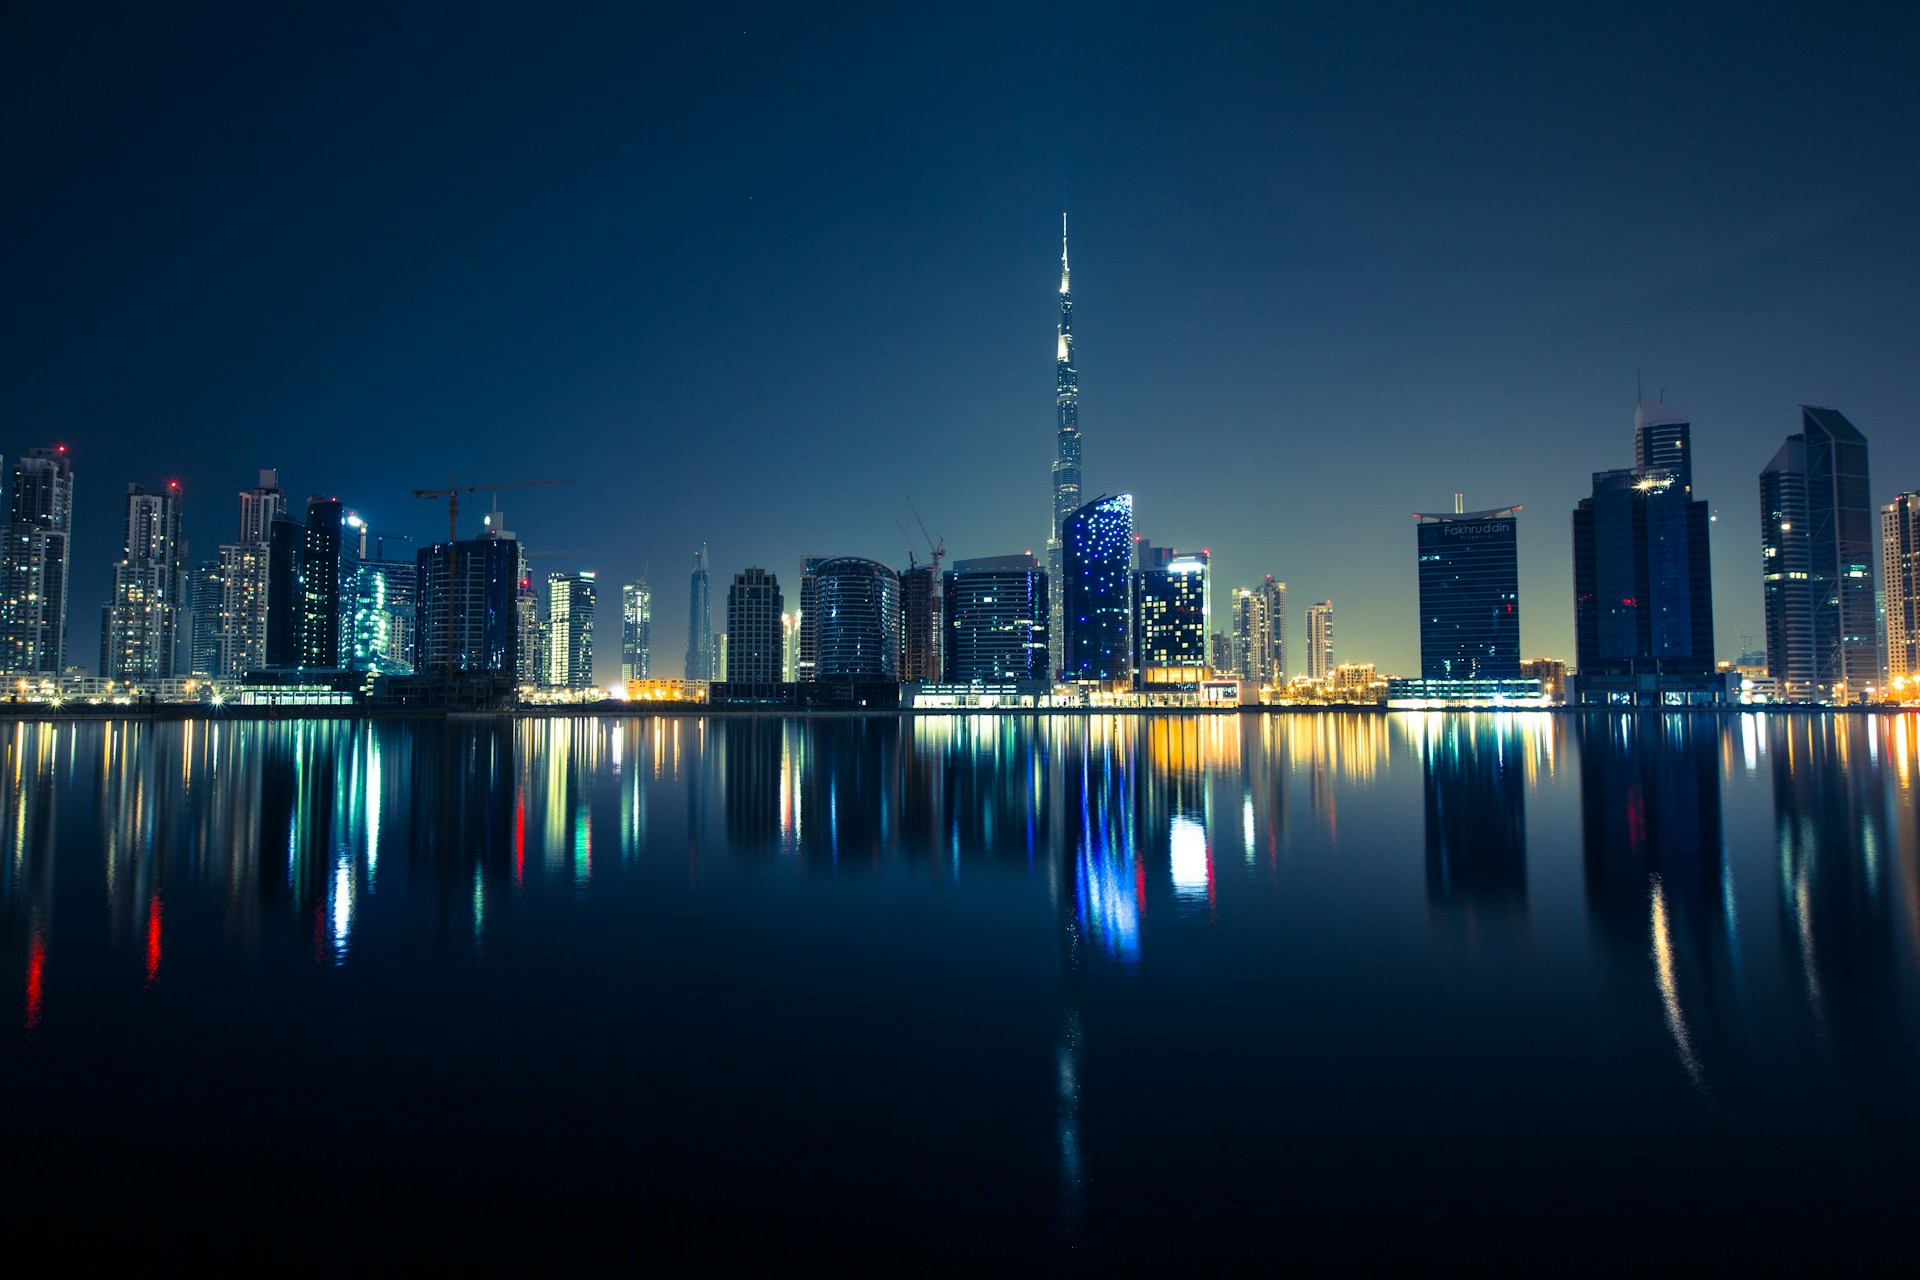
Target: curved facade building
858	606
1097	553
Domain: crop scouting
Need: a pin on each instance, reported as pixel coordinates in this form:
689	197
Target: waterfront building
285	539
919	624
1320	640
467	617
857	604
1642	580
378	603
1221	650
755	637
995	611
570	600
1259	619
1469	573
699	664
245	565
1551	673
720	656
636	630
318	594
34	550
1816	535
789	647
140	634
206	594
1066	462
1097	544
1900	580
807	664
1171	614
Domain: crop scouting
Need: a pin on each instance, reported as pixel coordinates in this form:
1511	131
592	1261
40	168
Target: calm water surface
1521	990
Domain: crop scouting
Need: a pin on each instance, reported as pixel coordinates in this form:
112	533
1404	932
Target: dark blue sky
753	278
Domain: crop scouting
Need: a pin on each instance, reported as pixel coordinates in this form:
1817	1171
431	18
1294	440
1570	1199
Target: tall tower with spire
1066	463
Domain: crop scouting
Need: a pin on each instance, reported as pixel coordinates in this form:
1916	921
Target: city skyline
1255	321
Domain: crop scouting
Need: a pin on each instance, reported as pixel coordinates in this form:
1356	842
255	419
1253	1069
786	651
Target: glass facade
467	618
858	630
1171	620
377	605
1817	552
754	635
1469	595
1900	578
1066	463
319	593
996	612
1096	554
700	620
570	601
1642	581
636	630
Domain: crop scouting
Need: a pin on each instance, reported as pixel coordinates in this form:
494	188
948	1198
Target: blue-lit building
1469	595
700	619
377	615
1096	555
857	603
995	620
1642	581
467	617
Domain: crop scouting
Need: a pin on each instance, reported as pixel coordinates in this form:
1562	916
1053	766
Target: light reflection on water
1730	906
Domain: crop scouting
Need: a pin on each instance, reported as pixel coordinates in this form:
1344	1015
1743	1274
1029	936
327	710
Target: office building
1096	551
1221	652
1816	536
919	624
140	632
755	638
636	631
378	603
1171	615
570	601
1469	574
1320	640
206	596
34	550
700	619
789	647
857	606
1900	580
321	554
1066	462
467	617
807	665
995	612
1642	580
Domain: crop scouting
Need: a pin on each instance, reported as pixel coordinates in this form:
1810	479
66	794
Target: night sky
754	278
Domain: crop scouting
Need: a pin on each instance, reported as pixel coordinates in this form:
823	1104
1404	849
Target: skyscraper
321	551
807	664
570	601
34	549
700	619
378	601
1259	637
1097	544
1171	617
1469	594
754	638
1320	640
1066	463
286	539
919	625
636	630
995	621
1900	579
244	569
858	632
467	619
1642	581
1816	534
790	647
206	595
140	639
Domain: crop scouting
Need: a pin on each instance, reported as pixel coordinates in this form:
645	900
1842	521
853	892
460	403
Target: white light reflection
1662	938
1188	842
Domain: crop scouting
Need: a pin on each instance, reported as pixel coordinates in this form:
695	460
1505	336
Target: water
1515	991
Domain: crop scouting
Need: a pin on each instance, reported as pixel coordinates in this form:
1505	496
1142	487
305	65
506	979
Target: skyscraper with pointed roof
1066	463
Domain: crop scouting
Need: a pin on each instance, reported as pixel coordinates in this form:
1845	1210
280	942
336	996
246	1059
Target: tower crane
453	491
939	552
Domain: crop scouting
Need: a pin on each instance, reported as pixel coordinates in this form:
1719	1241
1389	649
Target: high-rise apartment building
322	554
754	635
467	619
1096	551
807	664
570	600
244	568
857	603
34	549
636	630
1259	636
1469	571
995	612
140	634
919	624
1171	614
1066	462
700	619
1320	640
1817	554
1900	580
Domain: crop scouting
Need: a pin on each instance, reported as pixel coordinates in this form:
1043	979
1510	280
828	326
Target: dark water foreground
1516	992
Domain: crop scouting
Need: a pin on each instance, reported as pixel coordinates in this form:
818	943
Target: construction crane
453	491
938	552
